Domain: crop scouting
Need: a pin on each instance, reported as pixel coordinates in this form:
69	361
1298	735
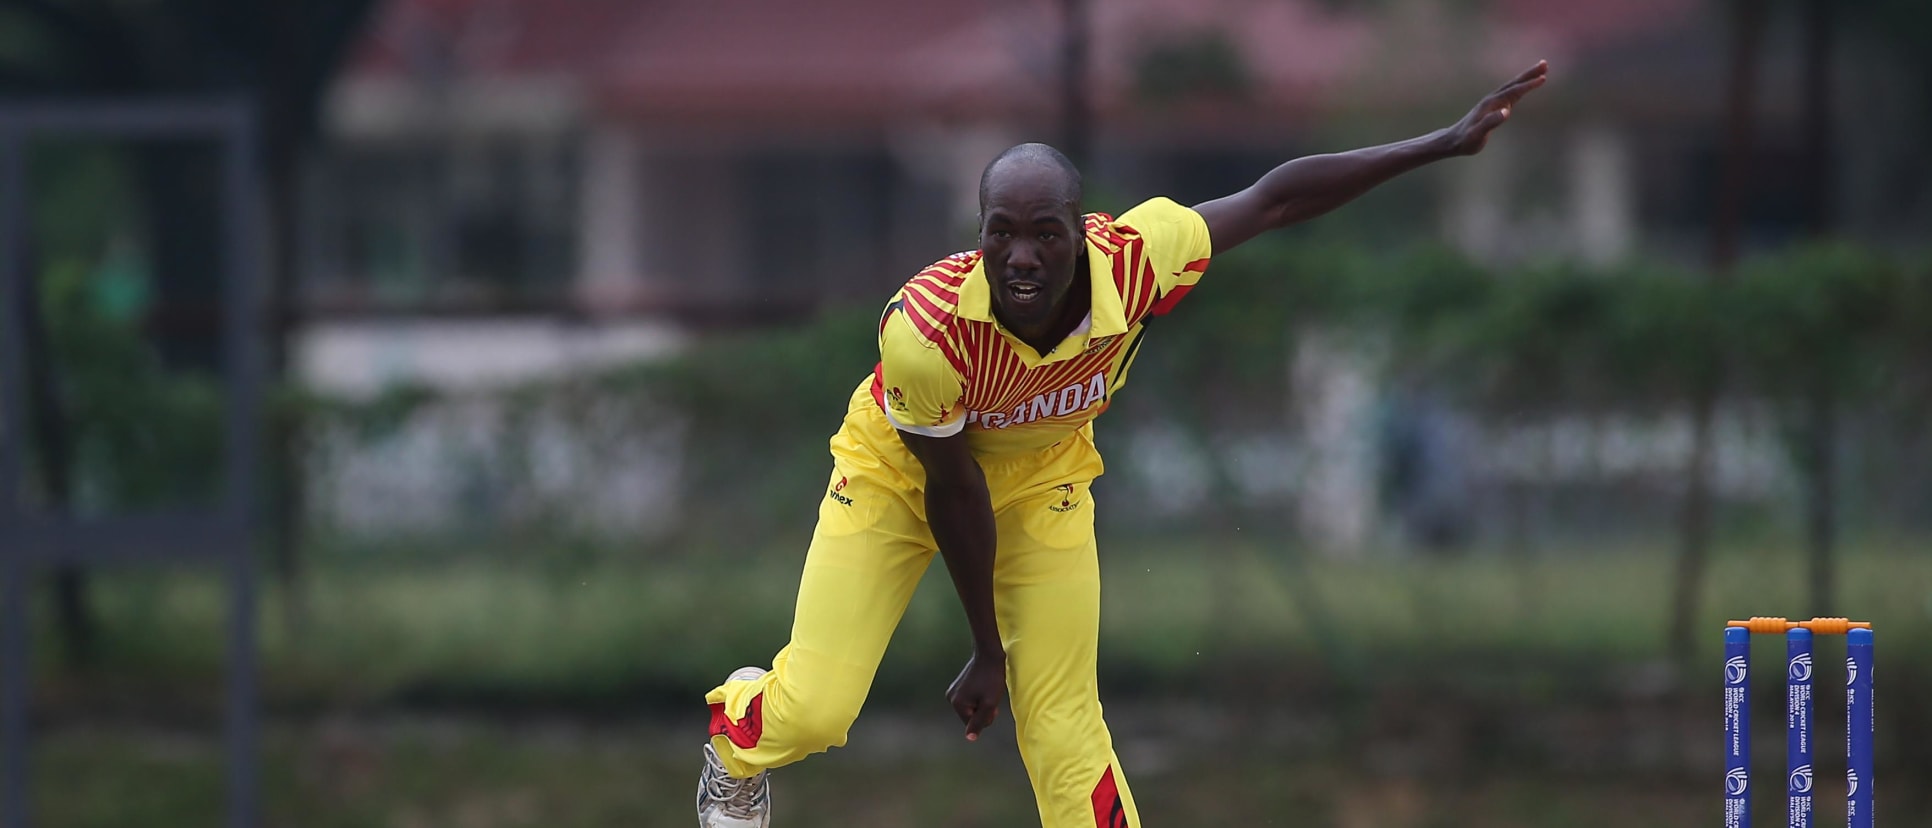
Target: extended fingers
1504	100
1514	92
1524	82
1541	69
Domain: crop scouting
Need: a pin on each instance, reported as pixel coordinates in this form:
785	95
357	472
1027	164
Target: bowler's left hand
1472	132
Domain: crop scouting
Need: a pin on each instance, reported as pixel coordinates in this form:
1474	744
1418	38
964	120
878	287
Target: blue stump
1859	726
1797	727
1737	727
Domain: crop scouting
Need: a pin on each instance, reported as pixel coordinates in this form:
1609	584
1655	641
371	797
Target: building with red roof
690	157
516	188
734	161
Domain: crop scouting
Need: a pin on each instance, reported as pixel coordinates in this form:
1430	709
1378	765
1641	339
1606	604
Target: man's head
1030	235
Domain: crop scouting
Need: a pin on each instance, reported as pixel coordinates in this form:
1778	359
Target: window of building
473	224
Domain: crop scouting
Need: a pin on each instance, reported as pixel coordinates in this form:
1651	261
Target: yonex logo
1801	668
1851	671
1735	669
1736	781
1851	782
1801	780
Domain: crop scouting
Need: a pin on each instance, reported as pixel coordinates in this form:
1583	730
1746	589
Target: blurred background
1427	513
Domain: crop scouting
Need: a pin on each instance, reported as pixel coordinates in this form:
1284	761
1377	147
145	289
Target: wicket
1859	721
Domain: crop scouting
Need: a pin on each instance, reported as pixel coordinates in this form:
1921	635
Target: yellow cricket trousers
867	555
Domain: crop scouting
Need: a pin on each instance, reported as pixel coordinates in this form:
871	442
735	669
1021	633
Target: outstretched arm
1308	187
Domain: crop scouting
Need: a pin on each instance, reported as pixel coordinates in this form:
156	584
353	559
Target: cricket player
973	438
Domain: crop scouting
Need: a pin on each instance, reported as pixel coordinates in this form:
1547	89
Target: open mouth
1024	291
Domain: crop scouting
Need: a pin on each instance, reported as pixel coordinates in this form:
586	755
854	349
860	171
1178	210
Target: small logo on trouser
836	493
1067	503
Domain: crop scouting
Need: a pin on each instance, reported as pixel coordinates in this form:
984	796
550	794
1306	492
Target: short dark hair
1039	154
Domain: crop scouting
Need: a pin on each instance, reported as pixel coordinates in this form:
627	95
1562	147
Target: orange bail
1762	624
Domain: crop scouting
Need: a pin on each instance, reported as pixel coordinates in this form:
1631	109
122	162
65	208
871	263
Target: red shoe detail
744	732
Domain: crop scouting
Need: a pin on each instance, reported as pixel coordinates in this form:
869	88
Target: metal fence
219	535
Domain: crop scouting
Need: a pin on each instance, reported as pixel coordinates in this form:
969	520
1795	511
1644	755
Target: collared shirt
946	365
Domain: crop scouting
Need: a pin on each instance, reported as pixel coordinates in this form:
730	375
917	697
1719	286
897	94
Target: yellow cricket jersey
946	365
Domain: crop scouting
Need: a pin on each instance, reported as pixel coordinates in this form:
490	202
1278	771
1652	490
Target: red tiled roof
867	60
1588	24
836	56
1293	52
494	38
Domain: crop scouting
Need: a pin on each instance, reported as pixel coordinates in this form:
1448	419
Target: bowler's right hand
977	693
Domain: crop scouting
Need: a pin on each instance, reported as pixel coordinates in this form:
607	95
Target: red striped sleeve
939	281
953	265
951	354
950	268
926	319
1102	225
925	315
935	303
936	290
1144	295
1168	302
1174	296
1144	282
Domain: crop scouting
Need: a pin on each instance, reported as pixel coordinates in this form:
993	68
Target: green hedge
752	412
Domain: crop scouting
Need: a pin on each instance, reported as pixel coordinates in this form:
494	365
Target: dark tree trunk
313	39
73	613
1747	27
181	212
1076	107
1821	494
281	136
1740	119
1821	428
1817	115
1694	527
284	432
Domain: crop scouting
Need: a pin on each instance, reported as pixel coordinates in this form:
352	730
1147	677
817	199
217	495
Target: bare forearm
960	512
1308	187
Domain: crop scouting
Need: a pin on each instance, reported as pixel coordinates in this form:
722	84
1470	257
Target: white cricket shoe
725	801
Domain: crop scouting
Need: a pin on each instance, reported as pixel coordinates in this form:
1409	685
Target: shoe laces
734	797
